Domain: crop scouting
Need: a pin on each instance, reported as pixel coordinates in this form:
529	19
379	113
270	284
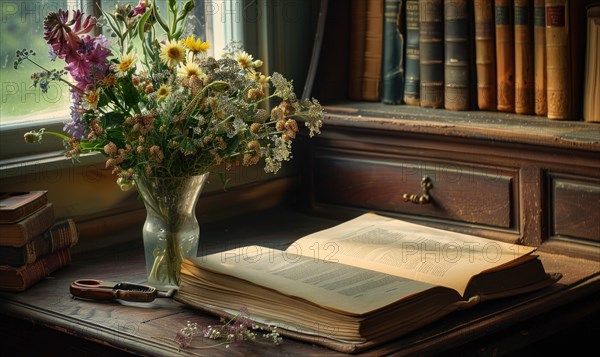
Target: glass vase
171	230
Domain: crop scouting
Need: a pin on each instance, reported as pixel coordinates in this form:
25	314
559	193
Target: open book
361	283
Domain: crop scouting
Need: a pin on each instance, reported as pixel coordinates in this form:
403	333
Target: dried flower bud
255	127
280	125
110	149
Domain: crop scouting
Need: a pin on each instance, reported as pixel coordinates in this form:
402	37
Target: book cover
15	206
505	55
412	82
539	56
63	234
431	53
366	51
524	61
17	234
485	54
591	97
457	53
22	278
558	60
392	67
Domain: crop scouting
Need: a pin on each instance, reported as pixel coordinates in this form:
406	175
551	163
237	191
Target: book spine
431	51
371	87
18	234
524	69
456	55
505	55
591	97
62	234
558	60
358	27
539	55
412	80
19	279
392	66
485	54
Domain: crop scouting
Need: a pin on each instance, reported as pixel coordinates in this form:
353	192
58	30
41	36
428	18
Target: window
24	107
21	25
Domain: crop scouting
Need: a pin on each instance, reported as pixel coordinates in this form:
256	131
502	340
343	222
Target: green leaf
112	22
130	95
142	24
112	119
159	19
232	145
219	86
103	100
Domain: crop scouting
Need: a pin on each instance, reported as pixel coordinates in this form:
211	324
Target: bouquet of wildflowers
157	105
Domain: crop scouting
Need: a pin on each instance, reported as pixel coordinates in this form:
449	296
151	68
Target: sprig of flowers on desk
230	332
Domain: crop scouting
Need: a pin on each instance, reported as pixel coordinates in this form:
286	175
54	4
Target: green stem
60	135
60	79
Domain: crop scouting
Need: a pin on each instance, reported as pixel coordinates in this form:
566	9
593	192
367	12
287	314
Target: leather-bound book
412	81
485	54
366	50
524	64
539	57
558	60
431	51
22	278
63	234
392	66
591	97
456	55
505	55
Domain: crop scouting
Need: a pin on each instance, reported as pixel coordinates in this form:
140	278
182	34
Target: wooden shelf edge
493	126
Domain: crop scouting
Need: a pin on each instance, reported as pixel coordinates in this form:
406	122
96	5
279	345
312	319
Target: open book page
339	287
409	250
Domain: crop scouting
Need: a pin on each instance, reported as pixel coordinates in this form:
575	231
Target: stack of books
33	244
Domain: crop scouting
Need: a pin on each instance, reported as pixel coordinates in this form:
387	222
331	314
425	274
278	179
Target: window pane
21	26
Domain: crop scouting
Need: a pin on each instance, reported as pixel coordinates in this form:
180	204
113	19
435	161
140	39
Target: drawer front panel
472	194
575	207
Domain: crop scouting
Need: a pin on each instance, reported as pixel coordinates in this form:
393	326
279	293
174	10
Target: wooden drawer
474	194
575	207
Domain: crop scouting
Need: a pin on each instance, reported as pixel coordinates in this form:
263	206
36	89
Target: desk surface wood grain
148	328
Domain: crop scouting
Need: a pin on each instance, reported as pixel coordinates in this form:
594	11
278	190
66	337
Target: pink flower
140	8
89	65
63	33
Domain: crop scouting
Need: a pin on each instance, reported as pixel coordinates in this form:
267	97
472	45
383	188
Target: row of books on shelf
516	56
33	243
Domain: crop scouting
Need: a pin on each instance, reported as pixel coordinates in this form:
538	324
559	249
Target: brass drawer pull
423	198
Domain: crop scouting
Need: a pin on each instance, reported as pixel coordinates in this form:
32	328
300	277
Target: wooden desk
46	319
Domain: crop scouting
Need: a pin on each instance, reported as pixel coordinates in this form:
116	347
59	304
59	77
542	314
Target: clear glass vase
171	230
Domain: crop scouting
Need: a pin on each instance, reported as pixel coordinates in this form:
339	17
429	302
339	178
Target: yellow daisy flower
244	59
163	92
196	46
126	62
92	98
190	69
171	53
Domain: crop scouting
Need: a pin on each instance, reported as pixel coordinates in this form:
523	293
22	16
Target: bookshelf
507	176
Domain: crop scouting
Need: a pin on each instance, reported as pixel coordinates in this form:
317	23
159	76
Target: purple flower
75	127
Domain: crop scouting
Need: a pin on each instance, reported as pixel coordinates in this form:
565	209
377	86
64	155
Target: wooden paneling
575	207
